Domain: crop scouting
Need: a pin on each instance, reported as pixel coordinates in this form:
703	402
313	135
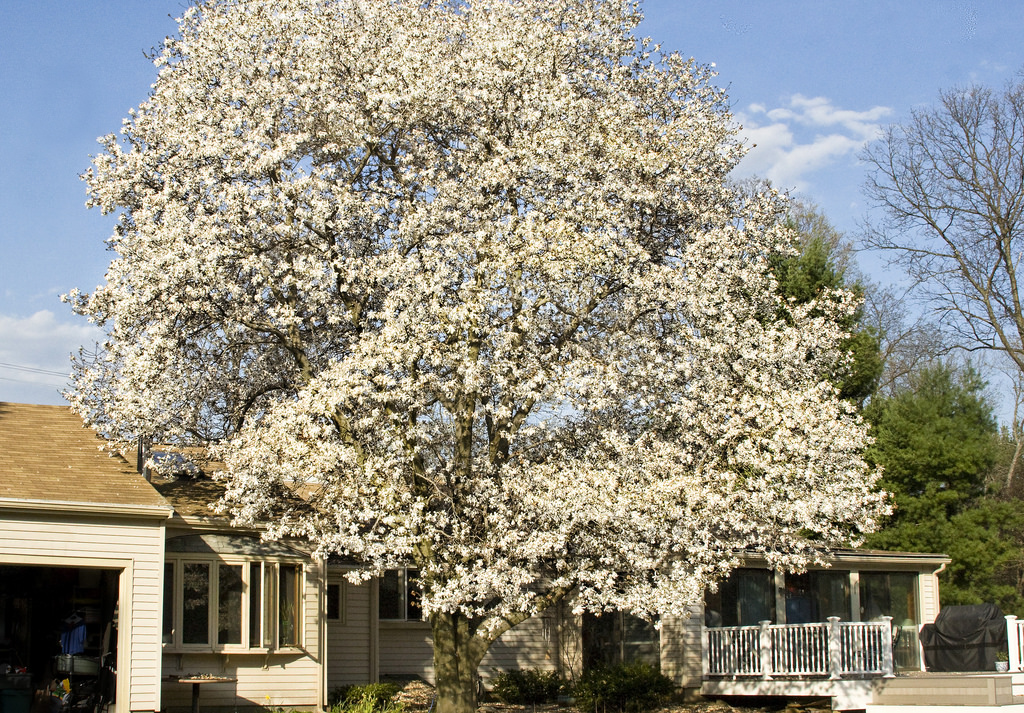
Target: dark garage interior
58	638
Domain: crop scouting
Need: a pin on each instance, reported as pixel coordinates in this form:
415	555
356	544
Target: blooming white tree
469	275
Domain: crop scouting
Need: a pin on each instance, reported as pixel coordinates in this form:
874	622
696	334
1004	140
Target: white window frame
269	606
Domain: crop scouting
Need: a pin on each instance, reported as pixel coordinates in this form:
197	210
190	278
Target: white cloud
42	343
789	143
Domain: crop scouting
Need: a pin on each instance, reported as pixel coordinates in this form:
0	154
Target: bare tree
906	341
1012	435
951	183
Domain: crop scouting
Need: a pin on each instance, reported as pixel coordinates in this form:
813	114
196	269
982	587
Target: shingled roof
191	497
48	458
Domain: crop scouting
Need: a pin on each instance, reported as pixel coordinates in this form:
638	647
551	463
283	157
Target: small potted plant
1002	661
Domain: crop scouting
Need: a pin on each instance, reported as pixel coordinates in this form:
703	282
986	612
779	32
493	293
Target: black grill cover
964	638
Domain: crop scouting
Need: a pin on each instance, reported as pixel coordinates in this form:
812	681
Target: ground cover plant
369	698
625	688
527	686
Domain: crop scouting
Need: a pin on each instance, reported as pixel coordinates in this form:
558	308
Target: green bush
627	688
371	698
527	686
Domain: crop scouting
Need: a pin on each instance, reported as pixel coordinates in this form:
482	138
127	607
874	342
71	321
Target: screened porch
834	623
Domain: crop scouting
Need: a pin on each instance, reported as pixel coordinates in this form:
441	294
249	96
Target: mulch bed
417	695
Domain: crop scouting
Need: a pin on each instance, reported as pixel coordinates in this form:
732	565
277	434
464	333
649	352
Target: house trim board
63	507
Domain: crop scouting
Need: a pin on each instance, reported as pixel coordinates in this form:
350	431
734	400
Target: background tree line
950	186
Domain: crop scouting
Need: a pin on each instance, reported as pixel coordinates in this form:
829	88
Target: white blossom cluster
469	276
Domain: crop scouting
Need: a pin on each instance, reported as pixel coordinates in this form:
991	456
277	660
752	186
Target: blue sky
810	82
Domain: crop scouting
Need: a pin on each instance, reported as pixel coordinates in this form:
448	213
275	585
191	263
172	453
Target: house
134	589
173	601
81	540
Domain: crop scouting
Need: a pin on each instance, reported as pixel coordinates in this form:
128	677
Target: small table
198	681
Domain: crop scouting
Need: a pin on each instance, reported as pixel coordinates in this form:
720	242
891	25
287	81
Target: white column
835	649
854	595
766	649
888	667
1013	642
705	666
780	597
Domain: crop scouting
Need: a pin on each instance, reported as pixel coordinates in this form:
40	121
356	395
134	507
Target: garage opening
58	637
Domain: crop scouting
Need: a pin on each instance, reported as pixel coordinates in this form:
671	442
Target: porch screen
744	599
889	594
894	594
816	595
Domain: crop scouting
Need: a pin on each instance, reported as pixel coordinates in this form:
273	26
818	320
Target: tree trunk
457	655
1016	457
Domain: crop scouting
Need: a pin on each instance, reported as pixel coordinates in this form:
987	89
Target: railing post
1013	642
766	650
835	648
705	645
888	666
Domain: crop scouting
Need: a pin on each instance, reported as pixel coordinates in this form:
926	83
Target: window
195	599
168	630
257	618
228	603
229	598
746	598
399	596
334	606
618	638
288	601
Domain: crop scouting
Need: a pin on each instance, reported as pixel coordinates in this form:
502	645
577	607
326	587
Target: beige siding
406	649
131	545
681	648
532	644
287	679
271	680
929	591
349	647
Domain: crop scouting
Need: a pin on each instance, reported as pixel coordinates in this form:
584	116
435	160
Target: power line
34	370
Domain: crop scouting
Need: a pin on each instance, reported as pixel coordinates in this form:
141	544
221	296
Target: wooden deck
852	664
957	692
906	693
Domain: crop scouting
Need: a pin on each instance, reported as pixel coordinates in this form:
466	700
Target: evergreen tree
986	544
937	441
822	264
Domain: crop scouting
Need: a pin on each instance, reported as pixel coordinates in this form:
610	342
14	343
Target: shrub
371	698
627	688
527	686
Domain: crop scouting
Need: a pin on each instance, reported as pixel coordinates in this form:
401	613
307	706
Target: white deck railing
834	649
